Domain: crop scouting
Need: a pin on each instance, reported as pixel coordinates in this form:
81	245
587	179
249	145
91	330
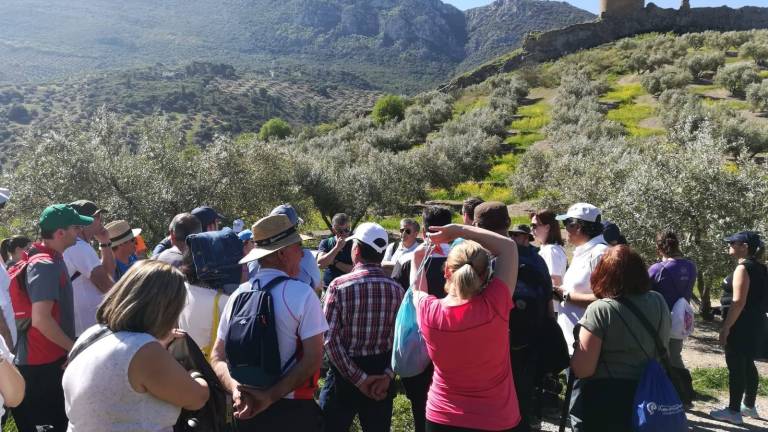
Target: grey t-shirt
621	356
44	283
172	256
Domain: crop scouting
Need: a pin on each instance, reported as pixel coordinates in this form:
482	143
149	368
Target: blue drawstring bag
657	405
409	351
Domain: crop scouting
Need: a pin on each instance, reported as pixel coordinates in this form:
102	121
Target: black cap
85	208
751	238
522	229
206	215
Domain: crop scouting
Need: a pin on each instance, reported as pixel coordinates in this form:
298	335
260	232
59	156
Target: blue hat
611	233
288	210
751	238
206	215
245	235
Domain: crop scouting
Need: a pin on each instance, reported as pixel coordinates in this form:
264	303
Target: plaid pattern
360	308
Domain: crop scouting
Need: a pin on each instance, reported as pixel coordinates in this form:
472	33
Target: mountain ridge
384	41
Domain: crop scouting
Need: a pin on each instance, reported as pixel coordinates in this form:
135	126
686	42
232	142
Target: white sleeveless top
98	395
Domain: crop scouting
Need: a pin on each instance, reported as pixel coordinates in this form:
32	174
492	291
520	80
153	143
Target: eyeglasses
406	231
342	230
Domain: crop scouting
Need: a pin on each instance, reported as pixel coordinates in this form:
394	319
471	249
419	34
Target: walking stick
567	401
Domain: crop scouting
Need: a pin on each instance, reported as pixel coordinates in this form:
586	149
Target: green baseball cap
60	216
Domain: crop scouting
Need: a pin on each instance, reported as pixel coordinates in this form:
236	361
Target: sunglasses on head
406	231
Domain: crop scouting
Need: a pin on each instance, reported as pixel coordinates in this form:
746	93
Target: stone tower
620	7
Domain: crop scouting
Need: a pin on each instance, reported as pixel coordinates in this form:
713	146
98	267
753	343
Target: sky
593	5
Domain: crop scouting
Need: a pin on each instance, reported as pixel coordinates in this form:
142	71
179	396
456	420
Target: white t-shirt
5	302
297	313
555	258
82	258
576	279
197	317
401	253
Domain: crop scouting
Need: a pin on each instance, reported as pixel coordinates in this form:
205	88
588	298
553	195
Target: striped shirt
360	307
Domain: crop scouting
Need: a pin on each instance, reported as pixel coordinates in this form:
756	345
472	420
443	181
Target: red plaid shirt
360	307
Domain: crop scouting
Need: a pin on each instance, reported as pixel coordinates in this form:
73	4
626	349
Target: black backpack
253	353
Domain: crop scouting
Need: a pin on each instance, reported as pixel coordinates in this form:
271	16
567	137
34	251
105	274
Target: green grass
763	74
733	104
486	191
469	102
709	381
625	93
701	89
630	115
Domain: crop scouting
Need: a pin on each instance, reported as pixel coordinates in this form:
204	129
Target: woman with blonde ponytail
467	333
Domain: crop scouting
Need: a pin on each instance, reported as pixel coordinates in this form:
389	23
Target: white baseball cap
582	211
372	234
238	225
5	195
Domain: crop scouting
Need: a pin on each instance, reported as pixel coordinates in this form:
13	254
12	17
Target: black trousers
525	376
743	379
43	402
416	389
285	415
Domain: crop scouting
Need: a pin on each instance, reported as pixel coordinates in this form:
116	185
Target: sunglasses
406	231
570	223
534	226
342	230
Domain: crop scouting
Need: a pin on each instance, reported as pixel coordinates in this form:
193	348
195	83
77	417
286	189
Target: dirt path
702	351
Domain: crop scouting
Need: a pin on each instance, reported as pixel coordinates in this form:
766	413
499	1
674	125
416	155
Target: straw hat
120	232
270	234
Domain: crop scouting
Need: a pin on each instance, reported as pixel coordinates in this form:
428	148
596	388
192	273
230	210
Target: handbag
657	406
409	350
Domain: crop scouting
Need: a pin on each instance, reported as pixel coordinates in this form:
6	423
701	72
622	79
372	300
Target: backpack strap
271	284
214	325
101	334
663	353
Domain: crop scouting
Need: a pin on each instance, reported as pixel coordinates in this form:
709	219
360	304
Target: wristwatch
566	297
105	245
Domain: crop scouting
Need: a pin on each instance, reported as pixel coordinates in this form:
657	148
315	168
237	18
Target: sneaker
727	415
749	412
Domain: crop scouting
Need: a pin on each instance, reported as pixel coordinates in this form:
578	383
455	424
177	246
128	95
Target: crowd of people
92	321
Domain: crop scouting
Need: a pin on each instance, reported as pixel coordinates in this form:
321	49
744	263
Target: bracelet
196	375
105	245
567	297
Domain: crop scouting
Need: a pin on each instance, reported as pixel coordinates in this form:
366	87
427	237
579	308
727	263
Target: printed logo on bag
654	408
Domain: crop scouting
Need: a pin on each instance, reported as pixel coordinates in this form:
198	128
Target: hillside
630	77
397	45
203	99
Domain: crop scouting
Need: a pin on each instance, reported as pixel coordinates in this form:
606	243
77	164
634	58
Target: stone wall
557	43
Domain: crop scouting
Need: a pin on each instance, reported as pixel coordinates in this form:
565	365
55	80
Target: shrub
757	96
275	128
666	78
704	62
757	51
18	114
388	108
736	77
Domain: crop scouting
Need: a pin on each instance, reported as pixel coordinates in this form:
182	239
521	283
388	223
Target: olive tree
757	96
653	185
665	78
737	77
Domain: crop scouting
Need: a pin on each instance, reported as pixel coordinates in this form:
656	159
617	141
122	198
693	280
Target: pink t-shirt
472	386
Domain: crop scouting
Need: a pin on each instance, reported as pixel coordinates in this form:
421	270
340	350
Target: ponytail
9	245
469	263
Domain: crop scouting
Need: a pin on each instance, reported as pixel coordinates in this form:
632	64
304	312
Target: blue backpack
409	351
657	406
216	255
253	353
